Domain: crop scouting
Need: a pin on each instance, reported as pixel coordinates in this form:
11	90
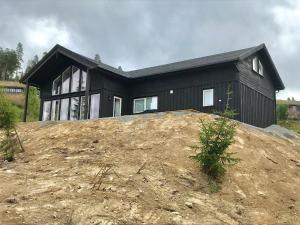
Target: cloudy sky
141	33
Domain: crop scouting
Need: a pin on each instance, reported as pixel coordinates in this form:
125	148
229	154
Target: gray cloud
143	33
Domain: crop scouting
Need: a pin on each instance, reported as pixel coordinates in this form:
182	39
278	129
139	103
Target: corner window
83	80
75	79
55	110
260	68
208	97
143	104
46	110
64	109
74	108
66	76
56	86
82	107
95	106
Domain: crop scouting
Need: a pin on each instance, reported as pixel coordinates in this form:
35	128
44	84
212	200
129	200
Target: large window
46	110
83	80
55	110
56	86
66	81
208	97
82	107
95	106
143	104
117	106
74	108
64	109
75	79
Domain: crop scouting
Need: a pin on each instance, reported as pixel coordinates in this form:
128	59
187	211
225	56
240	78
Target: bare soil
137	170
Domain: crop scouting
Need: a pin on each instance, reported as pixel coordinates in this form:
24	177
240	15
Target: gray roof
155	70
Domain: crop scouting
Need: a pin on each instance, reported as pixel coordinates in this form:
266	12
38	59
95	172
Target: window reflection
75	79
83	80
66	81
55	110
46	110
82	107
64	109
95	106
74	108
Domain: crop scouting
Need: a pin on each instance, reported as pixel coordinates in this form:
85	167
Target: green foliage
8	63
33	104
215	137
31	63
282	111
8	114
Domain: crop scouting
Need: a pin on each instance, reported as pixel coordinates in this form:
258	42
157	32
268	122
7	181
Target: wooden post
26	102
87	92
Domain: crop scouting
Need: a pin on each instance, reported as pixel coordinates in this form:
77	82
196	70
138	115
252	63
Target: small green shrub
282	111
8	119
214	139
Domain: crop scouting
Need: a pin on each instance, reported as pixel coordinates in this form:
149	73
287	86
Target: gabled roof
161	69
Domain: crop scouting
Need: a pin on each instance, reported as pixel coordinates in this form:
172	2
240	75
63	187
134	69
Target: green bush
214	138
282	111
8	119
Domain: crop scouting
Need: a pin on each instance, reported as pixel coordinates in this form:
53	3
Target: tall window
83	80
64	109
74	108
117	106
66	81
82	107
46	110
55	110
95	106
56	86
75	79
208	97
143	104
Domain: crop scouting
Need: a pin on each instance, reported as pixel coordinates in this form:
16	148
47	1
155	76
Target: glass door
117	106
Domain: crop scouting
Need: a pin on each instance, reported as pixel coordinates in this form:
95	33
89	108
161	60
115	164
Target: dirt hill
137	170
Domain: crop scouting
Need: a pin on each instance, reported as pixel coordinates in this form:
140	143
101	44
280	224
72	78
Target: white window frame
116	97
145	103
203	97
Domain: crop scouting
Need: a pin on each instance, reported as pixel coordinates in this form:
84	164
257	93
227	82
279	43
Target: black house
74	87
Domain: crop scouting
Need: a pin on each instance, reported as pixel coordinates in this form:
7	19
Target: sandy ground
137	170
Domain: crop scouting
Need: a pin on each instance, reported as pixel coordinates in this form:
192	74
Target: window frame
213	97
145	103
116	97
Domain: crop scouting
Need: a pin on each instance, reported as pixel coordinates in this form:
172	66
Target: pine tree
31	63
97	58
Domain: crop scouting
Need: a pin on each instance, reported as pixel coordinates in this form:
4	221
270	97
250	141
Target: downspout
275	107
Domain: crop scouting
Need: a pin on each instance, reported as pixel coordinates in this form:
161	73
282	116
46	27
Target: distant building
12	87
293	108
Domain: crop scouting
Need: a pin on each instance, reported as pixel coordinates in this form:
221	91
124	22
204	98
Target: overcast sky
141	33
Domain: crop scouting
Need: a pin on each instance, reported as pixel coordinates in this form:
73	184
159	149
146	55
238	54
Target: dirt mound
137	170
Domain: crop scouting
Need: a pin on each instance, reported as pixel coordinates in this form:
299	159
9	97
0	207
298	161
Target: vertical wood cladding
256	109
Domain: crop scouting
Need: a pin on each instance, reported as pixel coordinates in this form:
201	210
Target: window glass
55	110
46	110
75	79
82	107
74	108
260	68
83	80
66	81
139	105
255	64
117	106
56	86
95	106
151	103
64	109
208	97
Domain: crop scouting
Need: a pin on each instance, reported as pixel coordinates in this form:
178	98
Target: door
117	106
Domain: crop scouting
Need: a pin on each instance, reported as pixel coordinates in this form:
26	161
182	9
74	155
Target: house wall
187	89
258	103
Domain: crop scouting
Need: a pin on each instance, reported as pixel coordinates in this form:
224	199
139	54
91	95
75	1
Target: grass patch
293	125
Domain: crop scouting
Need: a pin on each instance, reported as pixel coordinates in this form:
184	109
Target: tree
31	63
33	104
282	111
97	58
8	63
19	53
